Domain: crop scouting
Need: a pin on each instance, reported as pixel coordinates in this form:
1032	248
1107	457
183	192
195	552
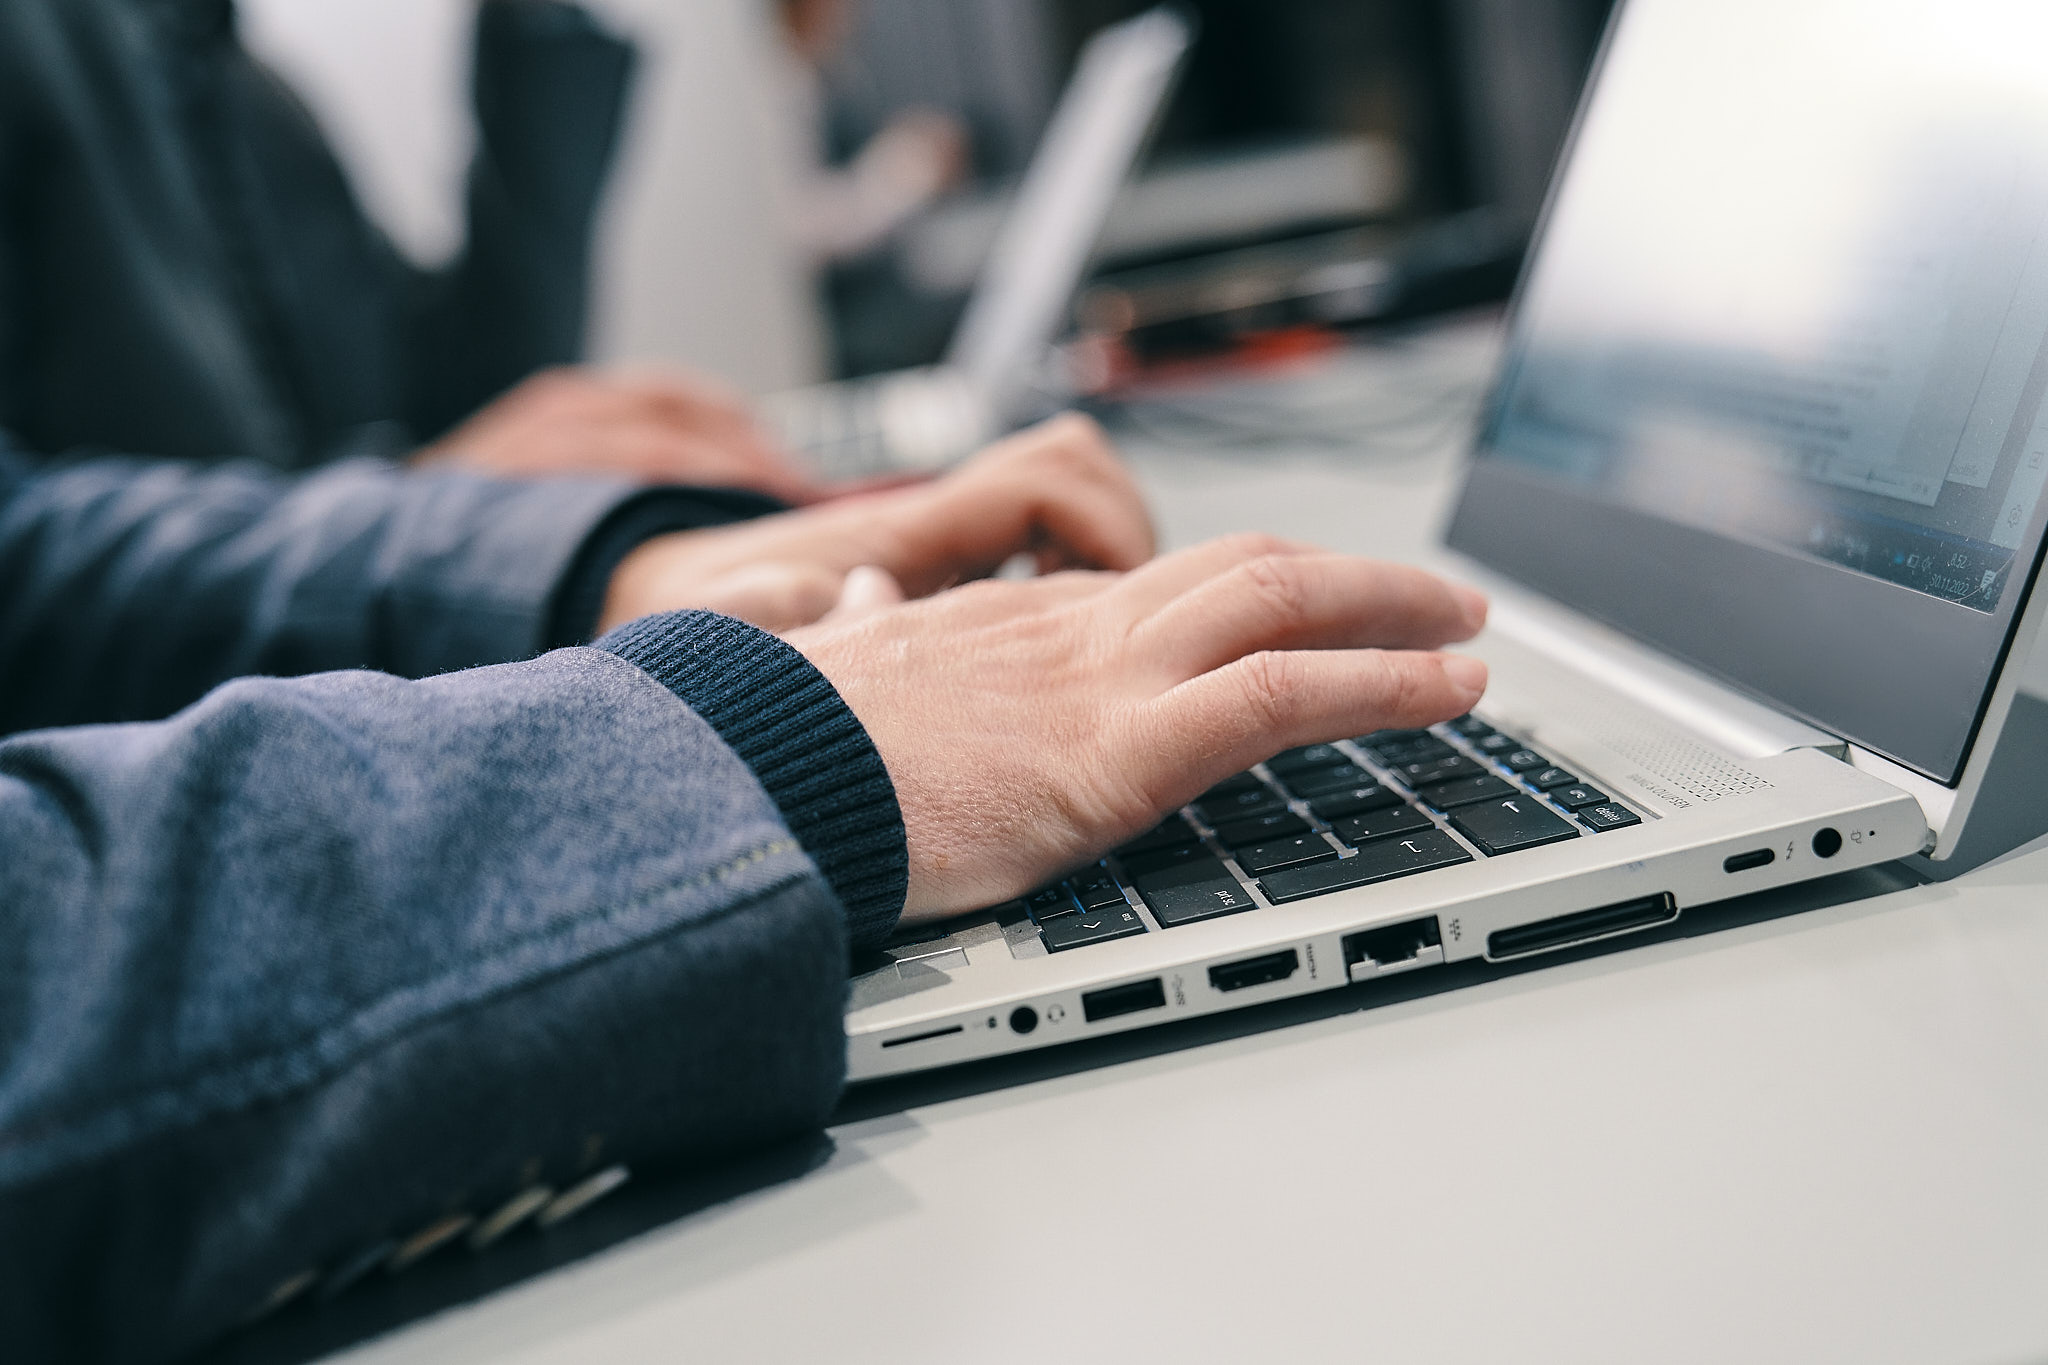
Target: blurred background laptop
1321	167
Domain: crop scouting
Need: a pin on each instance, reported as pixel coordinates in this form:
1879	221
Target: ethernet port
1393	948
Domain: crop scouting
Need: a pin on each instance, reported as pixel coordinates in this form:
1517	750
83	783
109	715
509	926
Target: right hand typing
1031	726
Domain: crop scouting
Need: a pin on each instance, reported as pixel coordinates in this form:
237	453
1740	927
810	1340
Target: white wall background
694	266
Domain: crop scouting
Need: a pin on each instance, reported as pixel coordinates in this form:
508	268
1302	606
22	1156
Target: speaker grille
1672	759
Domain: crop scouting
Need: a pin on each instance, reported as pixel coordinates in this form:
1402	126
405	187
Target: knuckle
1399	684
1276	582
1080	435
1268	682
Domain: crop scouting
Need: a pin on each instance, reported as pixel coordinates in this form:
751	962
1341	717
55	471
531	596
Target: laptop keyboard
837	427
1329	817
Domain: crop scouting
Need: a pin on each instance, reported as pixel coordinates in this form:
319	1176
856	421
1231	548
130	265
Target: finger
1107	524
1150	588
866	591
657	454
694	405
1059	492
1306	601
1232	717
689	398
775	597
1002	597
1090	526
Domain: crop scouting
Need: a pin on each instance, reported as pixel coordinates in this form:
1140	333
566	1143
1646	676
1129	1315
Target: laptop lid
1088	149
1775	393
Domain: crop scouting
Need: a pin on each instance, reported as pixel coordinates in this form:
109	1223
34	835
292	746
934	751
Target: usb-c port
1743	862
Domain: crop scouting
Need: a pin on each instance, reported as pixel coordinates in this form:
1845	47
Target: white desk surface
1818	1138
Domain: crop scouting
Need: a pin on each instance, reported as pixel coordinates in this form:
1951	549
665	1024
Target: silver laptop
928	418
1758	496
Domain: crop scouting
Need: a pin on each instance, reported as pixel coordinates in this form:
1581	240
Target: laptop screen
1776	390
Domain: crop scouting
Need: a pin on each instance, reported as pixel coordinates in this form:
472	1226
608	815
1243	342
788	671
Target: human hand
1030	726
920	154
658	426
1055	491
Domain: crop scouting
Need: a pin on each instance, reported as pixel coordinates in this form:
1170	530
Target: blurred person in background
185	270
840	213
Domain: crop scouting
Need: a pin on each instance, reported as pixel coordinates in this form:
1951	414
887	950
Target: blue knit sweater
315	965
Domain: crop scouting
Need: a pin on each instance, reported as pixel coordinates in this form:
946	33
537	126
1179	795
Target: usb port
1114	1000
1255	971
1743	862
1393	948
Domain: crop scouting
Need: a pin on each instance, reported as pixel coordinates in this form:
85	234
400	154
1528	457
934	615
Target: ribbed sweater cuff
807	748
579	595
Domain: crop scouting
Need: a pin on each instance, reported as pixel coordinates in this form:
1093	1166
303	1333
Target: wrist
805	746
601	586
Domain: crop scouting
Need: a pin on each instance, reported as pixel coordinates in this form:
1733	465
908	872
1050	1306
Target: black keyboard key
1096	926
1471	727
1010	912
1308	756
1446	769
1196	891
1411	751
1495	745
1382	861
1241	782
1577	795
1169	833
1323	781
1524	761
1159	859
1547	779
1380	737
1359	829
1260	859
1513	823
1465	791
1609	815
1353	801
1221	810
1260	828
1050	903
1097	889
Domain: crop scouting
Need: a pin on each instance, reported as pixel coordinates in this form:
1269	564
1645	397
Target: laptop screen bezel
1802	634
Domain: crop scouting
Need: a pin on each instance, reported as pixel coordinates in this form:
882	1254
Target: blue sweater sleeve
318	963
129	587
792	728
321	963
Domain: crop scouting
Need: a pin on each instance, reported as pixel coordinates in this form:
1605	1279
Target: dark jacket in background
317	966
184	269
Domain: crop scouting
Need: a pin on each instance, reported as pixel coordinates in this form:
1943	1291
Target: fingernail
1467	674
1474	603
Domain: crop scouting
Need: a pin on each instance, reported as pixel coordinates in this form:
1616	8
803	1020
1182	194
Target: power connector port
1393	948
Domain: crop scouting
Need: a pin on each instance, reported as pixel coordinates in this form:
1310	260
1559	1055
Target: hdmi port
1255	971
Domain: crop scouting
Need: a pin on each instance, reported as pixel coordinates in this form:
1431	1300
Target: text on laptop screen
1814	315
1792	292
